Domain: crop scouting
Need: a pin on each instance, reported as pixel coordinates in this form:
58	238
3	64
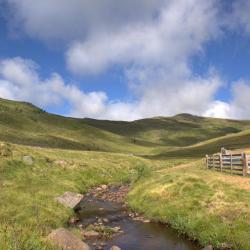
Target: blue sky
127	60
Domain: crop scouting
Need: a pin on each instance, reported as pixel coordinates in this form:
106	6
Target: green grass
180	130
231	141
28	211
26	124
210	207
207	206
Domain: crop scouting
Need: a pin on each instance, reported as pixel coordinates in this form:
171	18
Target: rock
116	229
225	246
70	199
65	240
210	247
104	187
28	160
138	219
99	189
115	248
91	234
146	221
105	220
73	220
61	163
99	248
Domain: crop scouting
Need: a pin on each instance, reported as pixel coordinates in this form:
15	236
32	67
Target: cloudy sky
126	60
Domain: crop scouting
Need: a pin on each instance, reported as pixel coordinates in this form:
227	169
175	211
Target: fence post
221	164
231	163
213	161
245	164
207	162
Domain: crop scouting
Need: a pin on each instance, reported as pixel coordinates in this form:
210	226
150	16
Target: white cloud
240	16
240	102
19	80
66	20
238	106
156	56
178	32
153	40
219	109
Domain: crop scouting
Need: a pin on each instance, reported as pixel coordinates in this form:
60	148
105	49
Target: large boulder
65	240
70	199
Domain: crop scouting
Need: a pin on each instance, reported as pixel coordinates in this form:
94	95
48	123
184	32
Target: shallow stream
134	235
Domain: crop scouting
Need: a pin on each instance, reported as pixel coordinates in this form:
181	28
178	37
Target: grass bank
28	211
208	206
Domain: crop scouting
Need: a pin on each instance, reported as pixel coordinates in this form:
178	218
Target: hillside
23	123
180	130
231	141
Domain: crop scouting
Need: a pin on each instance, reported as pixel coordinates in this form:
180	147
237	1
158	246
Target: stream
104	212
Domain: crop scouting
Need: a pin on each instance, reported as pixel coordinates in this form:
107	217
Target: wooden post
231	163
213	161
245	164
221	163
207	162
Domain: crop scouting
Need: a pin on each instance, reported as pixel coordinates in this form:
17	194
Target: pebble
73	220
104	187
116	229
115	248
210	247
99	248
91	234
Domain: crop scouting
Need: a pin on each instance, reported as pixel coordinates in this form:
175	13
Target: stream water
135	235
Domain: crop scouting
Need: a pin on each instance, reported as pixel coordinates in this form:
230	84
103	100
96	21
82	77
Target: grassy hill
23	123
231	141
179	130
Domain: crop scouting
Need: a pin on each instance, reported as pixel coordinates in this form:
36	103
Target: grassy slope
28	211
23	123
232	141
180	130
208	206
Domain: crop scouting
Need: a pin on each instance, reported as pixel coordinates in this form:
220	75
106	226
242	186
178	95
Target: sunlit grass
199	203
28	210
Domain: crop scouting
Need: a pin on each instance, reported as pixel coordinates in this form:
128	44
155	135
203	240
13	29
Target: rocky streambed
106	222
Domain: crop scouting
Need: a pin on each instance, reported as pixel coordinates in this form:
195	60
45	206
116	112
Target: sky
127	60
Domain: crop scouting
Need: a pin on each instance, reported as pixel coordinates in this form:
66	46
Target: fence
234	163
